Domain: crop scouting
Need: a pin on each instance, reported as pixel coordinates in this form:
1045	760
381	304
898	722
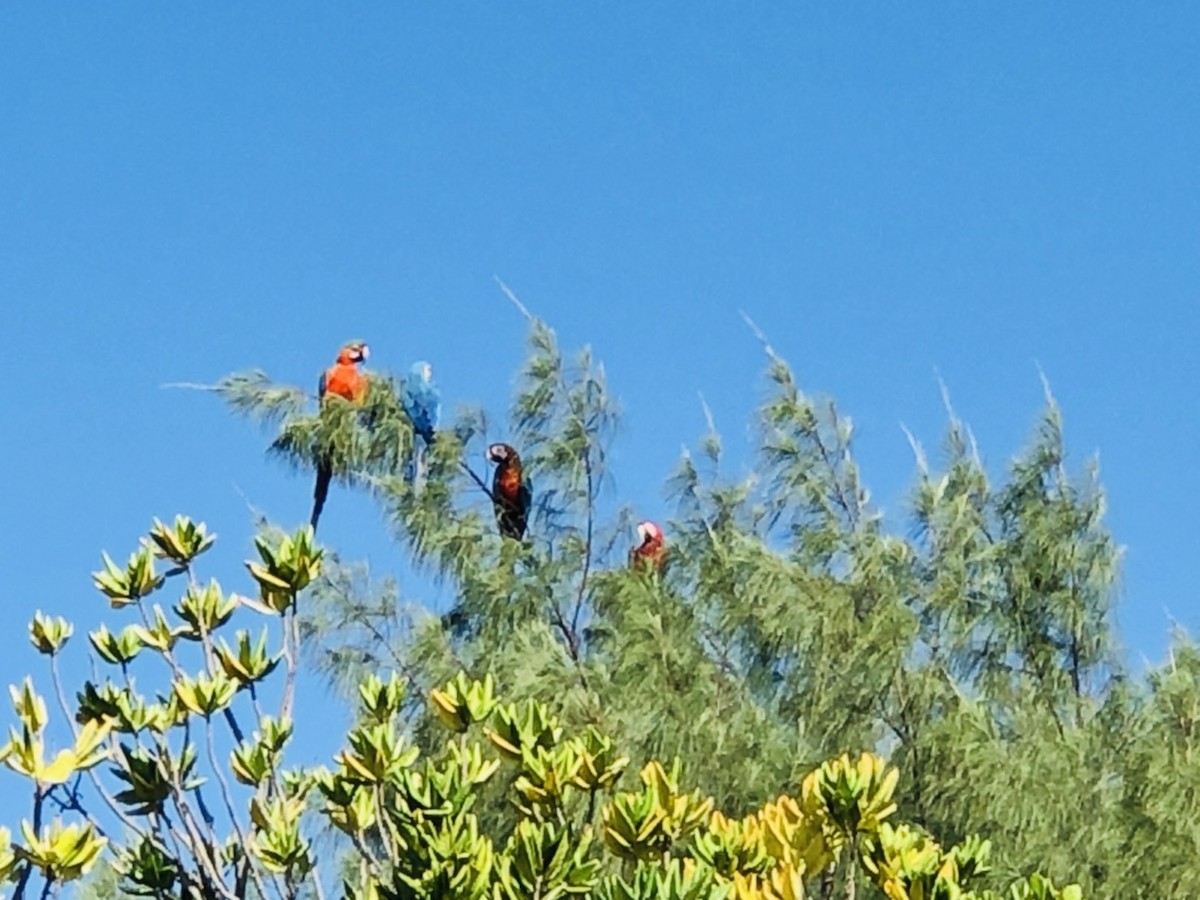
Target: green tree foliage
971	639
794	639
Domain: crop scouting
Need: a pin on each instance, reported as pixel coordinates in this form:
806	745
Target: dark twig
479	481
27	870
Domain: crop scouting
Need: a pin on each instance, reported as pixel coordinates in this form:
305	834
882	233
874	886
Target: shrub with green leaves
179	818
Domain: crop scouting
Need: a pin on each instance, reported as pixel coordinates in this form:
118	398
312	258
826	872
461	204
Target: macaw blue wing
321	385
422	402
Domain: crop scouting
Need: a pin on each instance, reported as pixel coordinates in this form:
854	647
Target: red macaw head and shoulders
651	552
509	470
344	378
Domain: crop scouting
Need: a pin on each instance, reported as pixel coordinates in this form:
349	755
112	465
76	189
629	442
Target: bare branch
758	333
513	297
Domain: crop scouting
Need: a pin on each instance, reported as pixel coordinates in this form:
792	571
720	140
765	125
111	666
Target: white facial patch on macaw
427	372
364	351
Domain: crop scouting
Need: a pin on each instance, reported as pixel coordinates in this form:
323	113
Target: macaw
651	554
423	405
342	379
510	491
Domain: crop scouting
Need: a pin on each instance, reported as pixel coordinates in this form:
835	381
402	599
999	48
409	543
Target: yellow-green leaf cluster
182	541
49	635
285	569
25	751
647	823
128	585
462	702
62	852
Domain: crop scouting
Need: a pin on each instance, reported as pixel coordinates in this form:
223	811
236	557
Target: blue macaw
422	403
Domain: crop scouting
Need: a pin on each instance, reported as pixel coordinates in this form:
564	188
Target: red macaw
651	554
343	379
511	493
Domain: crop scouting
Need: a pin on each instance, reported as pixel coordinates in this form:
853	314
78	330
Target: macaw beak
643	533
363	352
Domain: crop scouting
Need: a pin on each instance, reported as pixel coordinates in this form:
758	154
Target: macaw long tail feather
512	518
512	524
320	491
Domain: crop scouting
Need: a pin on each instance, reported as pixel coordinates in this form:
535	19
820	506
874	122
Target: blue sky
892	191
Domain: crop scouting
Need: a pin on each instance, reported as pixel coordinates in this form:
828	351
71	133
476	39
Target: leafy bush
180	819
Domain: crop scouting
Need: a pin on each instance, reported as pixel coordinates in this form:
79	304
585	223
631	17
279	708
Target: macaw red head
649	533
501	454
354	352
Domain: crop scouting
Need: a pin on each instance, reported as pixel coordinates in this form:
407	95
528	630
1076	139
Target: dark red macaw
511	493
342	379
651	554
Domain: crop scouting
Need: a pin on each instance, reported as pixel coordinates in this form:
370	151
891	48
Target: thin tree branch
587	553
479	481
227	796
109	800
290	650
513	297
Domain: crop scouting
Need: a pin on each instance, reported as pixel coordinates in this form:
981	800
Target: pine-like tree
973	643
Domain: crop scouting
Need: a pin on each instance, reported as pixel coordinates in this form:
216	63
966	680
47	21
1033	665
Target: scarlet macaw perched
344	380
510	491
651	554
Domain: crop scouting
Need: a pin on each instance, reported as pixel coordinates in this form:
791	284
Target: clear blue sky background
891	190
